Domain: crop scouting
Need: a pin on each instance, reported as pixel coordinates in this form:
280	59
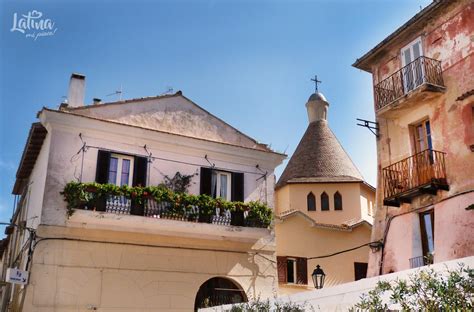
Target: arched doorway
218	291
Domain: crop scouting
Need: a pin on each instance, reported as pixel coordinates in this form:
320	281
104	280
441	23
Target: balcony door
423	146
120	170
412	66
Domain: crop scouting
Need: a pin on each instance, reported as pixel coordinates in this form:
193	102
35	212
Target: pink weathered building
423	76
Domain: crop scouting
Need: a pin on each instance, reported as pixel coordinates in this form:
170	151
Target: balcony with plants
159	202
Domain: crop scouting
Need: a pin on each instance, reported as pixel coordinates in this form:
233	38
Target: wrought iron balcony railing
162	203
420	261
424	172
120	204
423	70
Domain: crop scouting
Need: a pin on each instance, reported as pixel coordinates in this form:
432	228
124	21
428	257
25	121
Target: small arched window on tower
337	201
324	202
311	201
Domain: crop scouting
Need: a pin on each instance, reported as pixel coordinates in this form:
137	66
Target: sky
247	62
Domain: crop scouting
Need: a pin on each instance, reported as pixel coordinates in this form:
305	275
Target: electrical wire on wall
149	155
75	157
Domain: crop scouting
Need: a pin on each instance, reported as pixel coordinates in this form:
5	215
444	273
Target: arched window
337	201
311	202
218	291
324	202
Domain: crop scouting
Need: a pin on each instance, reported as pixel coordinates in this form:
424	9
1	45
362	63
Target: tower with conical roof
323	206
319	157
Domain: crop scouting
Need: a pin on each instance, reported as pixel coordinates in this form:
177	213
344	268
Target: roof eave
364	62
32	148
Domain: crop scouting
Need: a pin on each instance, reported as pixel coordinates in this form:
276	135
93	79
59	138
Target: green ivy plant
78	194
426	290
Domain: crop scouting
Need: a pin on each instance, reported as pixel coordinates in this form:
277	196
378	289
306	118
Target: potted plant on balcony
259	215
137	202
237	210
207	208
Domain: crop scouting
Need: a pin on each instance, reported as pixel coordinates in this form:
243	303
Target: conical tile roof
319	157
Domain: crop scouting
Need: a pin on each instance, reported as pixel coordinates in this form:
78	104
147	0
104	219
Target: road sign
16	276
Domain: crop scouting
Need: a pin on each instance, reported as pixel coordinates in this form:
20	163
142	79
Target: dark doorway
360	270
218	291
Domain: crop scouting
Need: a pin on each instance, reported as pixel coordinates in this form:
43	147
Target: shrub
267	306
426	290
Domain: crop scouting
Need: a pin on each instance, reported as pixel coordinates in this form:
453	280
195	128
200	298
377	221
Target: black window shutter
140	169
102	171
205	183
237	186
281	268
302	271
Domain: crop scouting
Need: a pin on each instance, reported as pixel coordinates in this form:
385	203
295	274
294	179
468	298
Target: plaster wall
446	36
122	273
344	297
294	196
367	202
174	114
34	193
185	155
296	237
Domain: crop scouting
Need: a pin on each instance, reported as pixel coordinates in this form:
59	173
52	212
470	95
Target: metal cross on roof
316	81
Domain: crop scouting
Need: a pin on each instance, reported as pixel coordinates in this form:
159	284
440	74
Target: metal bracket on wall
372	126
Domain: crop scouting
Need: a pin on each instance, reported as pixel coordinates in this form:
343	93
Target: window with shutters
311	202
121	169
337	201
292	270
224	184
324	202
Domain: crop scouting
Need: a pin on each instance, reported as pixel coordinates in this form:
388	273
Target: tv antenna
169	90
118	93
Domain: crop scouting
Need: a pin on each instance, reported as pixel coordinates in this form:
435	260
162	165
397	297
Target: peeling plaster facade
446	30
118	262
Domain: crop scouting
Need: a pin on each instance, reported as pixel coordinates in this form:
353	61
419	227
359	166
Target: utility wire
170	160
342	251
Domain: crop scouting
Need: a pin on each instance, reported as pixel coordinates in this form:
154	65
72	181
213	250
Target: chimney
96	101
75	97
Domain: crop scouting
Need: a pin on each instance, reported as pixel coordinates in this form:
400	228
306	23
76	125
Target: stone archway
218	291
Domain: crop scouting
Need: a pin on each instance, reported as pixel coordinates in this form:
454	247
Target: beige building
323	206
117	254
423	78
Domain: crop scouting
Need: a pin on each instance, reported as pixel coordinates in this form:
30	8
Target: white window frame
229	184
295	274
403	62
120	159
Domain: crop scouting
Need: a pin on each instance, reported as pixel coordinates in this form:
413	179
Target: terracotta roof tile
319	157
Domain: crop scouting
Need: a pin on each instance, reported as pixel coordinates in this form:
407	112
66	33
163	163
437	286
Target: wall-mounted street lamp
376	246
318	277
